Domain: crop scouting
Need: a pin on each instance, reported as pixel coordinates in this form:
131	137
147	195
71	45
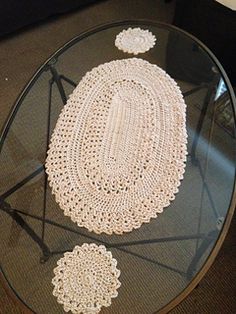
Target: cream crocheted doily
118	151
86	279
135	40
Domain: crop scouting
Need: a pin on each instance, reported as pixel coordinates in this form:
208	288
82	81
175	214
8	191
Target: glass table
162	261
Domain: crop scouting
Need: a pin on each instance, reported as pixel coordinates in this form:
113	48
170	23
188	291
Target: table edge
6	126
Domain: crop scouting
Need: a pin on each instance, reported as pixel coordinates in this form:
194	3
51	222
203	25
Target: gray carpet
21	54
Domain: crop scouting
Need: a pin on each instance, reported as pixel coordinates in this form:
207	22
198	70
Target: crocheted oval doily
135	40
86	279
118	151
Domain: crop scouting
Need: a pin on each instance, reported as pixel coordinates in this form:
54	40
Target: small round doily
86	279
118	151
135	40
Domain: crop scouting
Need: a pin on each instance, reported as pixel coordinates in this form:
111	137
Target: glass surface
158	260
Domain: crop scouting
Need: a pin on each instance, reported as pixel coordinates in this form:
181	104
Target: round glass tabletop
162	261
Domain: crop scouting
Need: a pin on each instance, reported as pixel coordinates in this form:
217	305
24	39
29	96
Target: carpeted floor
22	53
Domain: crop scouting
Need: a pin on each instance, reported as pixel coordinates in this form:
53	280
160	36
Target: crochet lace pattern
86	279
135	40
118	151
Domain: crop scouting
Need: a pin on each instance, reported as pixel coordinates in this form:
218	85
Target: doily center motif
135	40
86	279
118	151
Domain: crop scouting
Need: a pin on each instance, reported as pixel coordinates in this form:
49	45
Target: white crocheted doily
86	279
135	40
118	151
